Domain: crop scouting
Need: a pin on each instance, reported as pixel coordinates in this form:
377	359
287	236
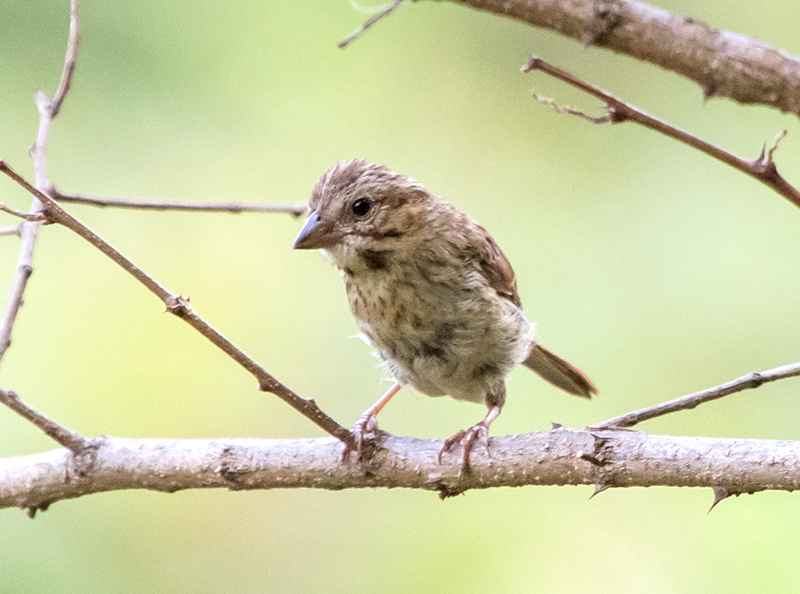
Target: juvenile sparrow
432	292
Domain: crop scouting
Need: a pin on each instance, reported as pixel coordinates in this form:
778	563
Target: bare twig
723	63
15	230
180	307
746	382
296	209
763	169
29	230
17	213
390	7
70	59
69	439
605	459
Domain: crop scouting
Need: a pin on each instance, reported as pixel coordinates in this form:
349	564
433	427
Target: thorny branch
762	169
605	459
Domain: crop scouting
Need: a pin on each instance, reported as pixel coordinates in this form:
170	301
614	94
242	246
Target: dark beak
315	234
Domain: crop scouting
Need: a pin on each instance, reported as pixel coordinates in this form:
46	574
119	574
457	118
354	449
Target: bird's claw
367	423
467	438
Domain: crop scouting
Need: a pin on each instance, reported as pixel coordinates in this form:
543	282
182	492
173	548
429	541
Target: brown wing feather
495	266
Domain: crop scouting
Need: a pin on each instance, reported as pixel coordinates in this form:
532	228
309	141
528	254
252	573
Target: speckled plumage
428	287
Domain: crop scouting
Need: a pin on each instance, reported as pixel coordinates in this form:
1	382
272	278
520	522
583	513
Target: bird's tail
558	372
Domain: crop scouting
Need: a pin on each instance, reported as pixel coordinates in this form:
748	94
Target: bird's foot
367	423
467	438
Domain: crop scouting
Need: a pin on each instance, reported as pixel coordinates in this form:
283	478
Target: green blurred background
654	268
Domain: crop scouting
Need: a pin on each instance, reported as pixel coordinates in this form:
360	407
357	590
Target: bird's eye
362	206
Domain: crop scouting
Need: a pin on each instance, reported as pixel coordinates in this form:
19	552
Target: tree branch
558	457
296	209
180	307
745	382
762	169
29	230
65	437
723	63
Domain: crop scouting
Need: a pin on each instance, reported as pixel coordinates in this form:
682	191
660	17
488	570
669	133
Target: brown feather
558	372
494	265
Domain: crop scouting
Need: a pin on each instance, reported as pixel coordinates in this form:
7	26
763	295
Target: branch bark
559	457
723	63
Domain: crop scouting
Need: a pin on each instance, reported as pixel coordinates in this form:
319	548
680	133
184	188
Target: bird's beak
315	234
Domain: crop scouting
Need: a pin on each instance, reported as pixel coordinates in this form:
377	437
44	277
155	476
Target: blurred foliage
654	268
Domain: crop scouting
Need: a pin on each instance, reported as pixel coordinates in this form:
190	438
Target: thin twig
762	169
180	307
369	22
15	230
70	59
16	213
59	434
746	382
295	209
29	230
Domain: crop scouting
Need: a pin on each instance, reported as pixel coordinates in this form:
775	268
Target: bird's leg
368	422
467	437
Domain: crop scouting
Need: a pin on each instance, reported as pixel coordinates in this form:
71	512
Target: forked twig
180	307
29	230
746	382
762	169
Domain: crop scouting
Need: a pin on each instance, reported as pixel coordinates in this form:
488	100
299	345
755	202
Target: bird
431	291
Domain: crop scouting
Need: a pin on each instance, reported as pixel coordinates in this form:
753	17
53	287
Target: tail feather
559	372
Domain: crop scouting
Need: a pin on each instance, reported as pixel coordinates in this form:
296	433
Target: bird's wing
494	265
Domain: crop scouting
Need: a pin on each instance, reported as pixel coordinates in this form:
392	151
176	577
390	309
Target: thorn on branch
720	494
178	305
446	491
599	488
765	163
31	511
590	458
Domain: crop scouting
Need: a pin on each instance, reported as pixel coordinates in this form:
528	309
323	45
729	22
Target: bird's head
357	206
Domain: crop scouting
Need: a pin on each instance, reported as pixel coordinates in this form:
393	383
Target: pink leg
368	421
467	438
